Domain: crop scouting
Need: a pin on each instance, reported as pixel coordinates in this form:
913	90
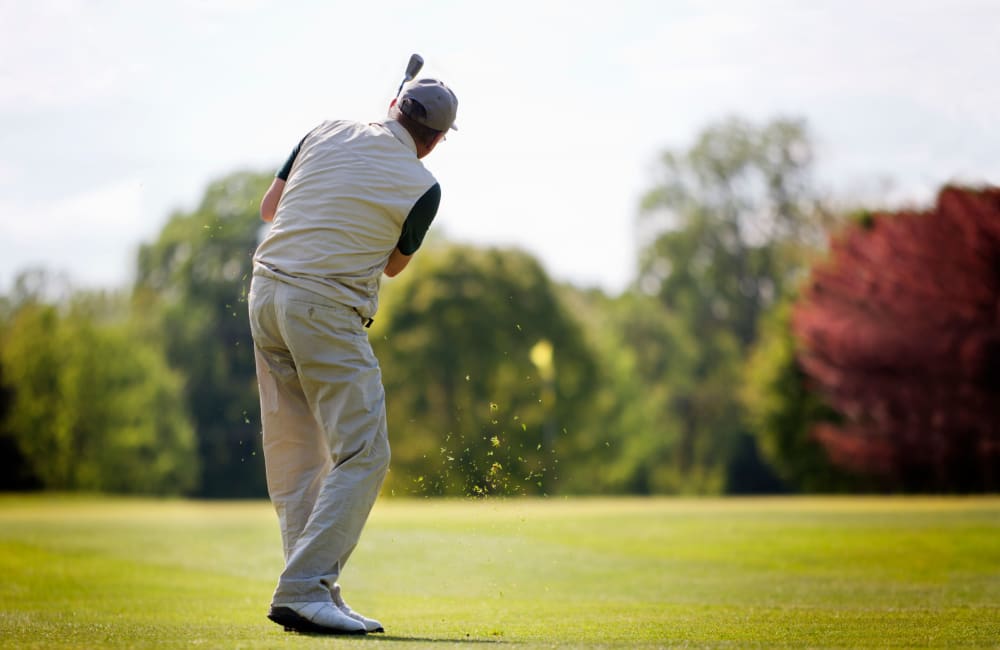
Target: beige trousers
326	448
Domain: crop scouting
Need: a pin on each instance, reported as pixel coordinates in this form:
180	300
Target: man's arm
397	262
269	204
414	229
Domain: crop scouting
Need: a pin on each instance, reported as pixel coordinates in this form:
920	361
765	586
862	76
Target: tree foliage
727	221
725	227
899	332
192	284
645	360
783	410
487	375
91	407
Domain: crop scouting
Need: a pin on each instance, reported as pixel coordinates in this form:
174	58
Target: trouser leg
342	508
342	387
296	455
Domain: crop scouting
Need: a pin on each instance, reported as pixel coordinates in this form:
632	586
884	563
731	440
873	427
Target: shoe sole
293	622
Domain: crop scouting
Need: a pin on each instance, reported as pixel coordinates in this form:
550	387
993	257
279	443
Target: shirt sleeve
286	169
419	220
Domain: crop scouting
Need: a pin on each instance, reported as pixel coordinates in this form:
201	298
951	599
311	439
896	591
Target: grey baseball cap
440	106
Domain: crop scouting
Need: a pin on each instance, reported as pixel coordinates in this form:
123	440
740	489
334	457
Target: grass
88	572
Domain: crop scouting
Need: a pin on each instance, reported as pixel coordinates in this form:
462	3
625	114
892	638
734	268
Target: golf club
412	68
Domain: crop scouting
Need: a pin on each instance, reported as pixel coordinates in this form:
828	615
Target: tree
727	223
15	472
192	284
782	410
725	230
898	331
92	407
644	359
487	375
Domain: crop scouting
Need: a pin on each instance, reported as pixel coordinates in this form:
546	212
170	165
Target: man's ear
392	103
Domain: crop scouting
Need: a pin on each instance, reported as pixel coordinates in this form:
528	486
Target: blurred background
683	248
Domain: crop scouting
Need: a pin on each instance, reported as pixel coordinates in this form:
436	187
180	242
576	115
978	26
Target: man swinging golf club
353	201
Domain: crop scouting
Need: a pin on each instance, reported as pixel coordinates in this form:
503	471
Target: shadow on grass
418	639
395	638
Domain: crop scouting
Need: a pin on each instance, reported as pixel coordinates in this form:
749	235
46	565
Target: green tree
729	225
192	284
15	472
487	375
783	411
644	360
725	230
91	406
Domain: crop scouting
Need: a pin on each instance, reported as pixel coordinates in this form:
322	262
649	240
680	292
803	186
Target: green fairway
852	572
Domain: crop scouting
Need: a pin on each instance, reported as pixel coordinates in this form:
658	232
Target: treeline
710	374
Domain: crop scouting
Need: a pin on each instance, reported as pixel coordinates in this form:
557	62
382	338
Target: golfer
352	202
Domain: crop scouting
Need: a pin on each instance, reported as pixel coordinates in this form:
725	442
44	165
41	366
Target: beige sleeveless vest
342	210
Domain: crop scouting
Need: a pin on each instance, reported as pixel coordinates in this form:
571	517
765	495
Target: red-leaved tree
900	332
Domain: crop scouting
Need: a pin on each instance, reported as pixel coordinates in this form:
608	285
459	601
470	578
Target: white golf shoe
317	618
371	625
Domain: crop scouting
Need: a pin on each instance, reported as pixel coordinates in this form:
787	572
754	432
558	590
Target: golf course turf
104	572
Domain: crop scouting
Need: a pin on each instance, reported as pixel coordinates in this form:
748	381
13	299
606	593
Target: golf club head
414	66
412	70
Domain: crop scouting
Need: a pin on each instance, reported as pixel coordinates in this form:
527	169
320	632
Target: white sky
115	114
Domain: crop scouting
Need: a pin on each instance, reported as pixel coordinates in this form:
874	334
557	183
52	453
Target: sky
115	115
